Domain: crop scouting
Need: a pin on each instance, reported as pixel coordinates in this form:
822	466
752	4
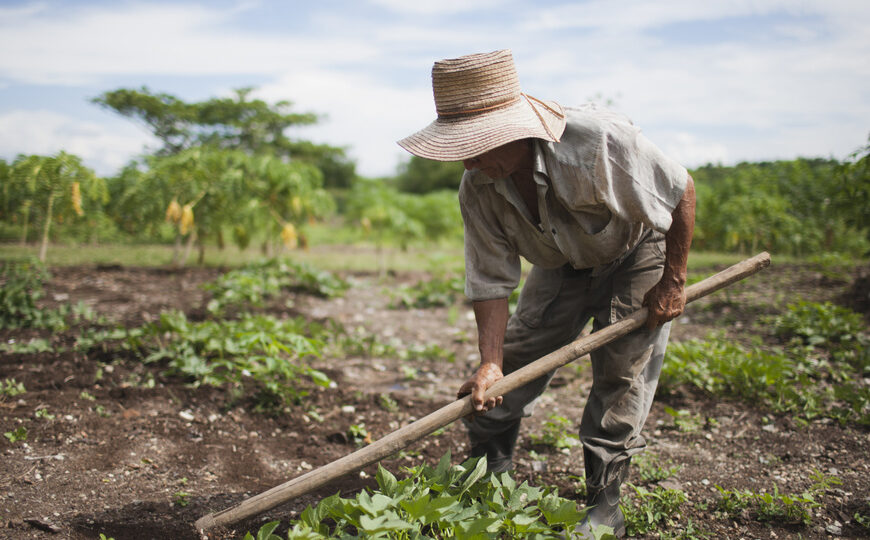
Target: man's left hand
666	301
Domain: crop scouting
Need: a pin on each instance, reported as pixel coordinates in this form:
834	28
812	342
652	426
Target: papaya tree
58	187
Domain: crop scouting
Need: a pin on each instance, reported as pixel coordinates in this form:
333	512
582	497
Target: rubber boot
603	503
499	450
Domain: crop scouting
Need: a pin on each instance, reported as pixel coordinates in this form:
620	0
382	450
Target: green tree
237	122
57	187
419	175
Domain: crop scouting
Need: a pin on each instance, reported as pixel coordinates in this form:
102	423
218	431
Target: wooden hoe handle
401	438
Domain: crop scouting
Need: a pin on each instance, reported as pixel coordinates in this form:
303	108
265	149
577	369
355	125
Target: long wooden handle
401	438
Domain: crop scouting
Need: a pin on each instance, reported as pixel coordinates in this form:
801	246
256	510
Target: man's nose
470	163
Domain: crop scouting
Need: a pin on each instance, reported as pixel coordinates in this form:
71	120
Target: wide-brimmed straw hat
480	107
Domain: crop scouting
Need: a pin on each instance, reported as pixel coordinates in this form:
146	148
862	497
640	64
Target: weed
650	469
435	292
359	435
432	352
16	435
684	420
785	508
556	433
12	388
87	396
43	414
22	287
181	498
650	509
387	403
35	345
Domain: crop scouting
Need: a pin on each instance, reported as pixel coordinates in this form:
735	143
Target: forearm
678	239
492	317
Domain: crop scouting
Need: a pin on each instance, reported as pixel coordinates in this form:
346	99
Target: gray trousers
554	307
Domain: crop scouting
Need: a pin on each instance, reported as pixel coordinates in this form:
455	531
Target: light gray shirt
599	189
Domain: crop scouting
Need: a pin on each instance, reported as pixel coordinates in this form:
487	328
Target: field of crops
136	399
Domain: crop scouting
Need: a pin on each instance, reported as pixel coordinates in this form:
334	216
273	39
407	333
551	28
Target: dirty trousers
554	306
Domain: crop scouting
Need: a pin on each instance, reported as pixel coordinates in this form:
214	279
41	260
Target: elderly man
606	220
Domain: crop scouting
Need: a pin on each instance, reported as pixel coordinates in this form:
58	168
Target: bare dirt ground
120	451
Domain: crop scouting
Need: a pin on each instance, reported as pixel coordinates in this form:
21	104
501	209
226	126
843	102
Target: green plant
42	413
650	469
12	388
387	403
255	282
359	435
22	287
556	433
435	292
446	501
181	498
255	350
17	434
786	508
649	509
684	420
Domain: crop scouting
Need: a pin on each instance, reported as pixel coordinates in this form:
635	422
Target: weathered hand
485	376
666	301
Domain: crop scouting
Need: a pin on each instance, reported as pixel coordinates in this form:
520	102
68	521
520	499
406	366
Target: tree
233	123
58	187
420	175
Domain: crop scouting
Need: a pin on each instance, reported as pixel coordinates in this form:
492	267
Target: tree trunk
190	240
44	247
26	224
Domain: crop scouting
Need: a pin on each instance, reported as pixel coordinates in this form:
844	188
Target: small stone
187	415
348	409
834	528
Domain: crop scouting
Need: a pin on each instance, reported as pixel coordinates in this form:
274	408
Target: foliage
786	508
51	189
820	373
253	283
650	470
22	287
11	388
237	122
419	175
18	434
447	501
794	207
386	215
257	350
434	292
556	433
649	509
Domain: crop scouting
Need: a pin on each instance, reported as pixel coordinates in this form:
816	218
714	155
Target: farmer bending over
606	220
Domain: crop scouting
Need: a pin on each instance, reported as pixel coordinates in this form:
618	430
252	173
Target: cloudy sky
708	81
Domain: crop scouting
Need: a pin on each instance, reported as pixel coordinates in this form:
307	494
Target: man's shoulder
587	126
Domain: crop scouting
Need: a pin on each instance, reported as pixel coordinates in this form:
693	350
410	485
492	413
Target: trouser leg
625	372
552	310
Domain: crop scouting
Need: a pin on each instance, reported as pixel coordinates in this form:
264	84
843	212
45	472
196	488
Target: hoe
403	437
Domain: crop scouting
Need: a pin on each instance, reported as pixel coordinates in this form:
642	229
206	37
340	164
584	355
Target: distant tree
233	123
420	175
57	188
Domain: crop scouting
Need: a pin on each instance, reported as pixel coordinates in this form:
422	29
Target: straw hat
480	107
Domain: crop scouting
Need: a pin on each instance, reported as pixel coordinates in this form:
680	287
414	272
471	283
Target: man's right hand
485	376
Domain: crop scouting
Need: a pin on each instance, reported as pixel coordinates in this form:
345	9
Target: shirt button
553	231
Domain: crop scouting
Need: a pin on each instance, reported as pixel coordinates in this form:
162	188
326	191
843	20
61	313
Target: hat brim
459	138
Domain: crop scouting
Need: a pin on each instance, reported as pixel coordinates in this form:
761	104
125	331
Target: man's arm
491	317
667	299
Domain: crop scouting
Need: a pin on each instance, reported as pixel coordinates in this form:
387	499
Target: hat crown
475	83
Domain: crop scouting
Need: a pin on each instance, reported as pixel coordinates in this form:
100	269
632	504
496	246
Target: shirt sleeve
492	264
635	179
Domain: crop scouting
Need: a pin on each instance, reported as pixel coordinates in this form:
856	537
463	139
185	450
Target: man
606	220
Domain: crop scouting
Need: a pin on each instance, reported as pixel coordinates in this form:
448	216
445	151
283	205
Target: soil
130	459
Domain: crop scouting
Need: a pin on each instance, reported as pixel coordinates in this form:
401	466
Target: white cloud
104	148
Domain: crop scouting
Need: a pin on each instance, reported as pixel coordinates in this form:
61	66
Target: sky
707	81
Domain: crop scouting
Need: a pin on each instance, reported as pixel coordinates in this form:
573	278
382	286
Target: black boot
499	450
603	501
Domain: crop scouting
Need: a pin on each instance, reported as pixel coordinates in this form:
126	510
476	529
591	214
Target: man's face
502	161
